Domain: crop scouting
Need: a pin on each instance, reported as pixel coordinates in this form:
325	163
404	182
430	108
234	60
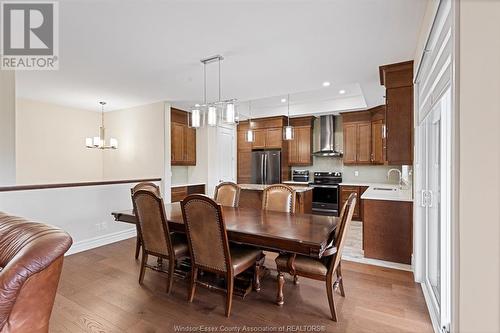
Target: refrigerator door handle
265	169
263	180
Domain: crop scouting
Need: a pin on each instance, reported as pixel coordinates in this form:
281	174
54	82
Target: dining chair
143	186
155	234
227	194
324	268
279	197
209	246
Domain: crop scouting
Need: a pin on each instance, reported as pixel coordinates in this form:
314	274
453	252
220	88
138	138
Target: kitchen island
251	197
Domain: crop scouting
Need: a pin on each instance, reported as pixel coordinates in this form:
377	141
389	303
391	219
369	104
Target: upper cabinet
183	139
398	81
300	148
357	137
268	134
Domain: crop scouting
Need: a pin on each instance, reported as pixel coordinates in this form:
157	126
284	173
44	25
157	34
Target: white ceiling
137	52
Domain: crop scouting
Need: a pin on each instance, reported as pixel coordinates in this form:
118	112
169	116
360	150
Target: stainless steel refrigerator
266	167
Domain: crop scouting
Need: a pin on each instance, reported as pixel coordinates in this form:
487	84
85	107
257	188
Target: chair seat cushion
302	264
179	244
243	257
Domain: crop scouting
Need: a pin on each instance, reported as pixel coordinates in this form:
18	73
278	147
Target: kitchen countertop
393	195
184	185
258	187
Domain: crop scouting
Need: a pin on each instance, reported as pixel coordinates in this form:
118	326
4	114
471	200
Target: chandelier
99	142
213	113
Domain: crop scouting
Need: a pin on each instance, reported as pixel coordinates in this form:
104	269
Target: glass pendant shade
288	132
89	142
113	143
229	114
195	118
249	136
97	141
212	116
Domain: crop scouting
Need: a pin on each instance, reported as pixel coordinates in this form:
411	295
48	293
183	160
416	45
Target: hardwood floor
99	292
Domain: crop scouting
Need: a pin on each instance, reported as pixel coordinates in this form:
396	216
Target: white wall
479	209
50	144
83	212
7	127
140	133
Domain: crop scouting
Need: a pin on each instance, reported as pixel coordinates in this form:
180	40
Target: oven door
326	200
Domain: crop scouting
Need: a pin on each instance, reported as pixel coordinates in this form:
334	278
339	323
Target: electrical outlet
98	226
104	225
356	173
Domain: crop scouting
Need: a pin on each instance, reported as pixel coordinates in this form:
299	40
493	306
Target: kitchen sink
384	189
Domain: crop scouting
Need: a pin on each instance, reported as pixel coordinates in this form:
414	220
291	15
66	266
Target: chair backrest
147	186
206	233
341	231
31	259
149	210
279	197
227	194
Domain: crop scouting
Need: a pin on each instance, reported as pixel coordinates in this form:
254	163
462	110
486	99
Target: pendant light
214	112
249	135
99	142
288	130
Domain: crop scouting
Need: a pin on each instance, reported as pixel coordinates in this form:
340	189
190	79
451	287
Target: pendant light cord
204	83
288	99
220	91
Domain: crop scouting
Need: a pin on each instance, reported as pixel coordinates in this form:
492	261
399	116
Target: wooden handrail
63	185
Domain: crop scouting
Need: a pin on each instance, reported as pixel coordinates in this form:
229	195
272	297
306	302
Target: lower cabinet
345	192
388	230
178	193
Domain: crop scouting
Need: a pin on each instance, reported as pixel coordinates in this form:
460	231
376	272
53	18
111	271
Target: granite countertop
259	187
394	194
362	183
183	185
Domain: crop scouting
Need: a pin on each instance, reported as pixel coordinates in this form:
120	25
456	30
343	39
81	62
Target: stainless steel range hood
326	139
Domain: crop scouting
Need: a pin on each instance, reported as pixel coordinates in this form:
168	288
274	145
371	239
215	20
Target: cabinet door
244	166
177	143
378	142
190	146
293	149
345	192
242	142
399	122
259	139
274	136
178	193
350	143
304	144
364	143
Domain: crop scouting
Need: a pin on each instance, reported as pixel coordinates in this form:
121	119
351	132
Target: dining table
299	233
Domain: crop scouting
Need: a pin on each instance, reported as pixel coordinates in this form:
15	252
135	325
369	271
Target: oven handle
325	186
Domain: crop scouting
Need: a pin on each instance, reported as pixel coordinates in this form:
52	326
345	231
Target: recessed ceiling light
283	100
326	84
341	91
197	105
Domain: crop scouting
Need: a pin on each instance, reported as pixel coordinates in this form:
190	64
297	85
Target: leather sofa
31	258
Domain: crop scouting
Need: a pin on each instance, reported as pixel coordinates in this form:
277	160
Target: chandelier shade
99	142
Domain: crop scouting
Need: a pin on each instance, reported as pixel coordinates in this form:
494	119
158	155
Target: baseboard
381	263
91	243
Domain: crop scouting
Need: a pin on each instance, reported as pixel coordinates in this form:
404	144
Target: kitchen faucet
400	176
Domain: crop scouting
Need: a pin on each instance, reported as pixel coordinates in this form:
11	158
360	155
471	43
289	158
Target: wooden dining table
304	234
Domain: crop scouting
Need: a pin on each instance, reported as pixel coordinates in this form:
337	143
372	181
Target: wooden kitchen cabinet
378	142
267	138
345	192
398	81
300	148
388	230
357	137
183	139
259	141
178	193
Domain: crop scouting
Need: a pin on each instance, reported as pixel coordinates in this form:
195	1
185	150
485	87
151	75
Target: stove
326	193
